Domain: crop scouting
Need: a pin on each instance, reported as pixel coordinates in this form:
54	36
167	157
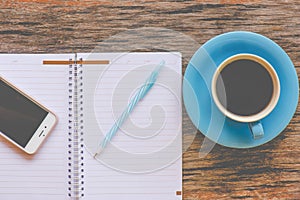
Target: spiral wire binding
80	129
75	146
70	130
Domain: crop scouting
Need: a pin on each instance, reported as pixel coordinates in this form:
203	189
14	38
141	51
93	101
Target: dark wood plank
271	171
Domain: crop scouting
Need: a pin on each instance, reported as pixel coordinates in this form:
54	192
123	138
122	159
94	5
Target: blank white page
44	175
143	160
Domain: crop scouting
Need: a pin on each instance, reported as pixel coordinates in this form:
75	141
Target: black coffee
247	85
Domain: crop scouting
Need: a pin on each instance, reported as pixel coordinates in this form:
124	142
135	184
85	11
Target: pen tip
98	152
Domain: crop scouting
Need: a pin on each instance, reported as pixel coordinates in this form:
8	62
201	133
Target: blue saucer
197	89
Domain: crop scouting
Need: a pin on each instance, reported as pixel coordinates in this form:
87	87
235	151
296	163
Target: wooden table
271	171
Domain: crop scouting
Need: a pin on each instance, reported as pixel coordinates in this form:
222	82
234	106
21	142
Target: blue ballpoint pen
139	96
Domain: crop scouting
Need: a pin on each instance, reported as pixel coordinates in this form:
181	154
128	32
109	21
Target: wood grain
271	171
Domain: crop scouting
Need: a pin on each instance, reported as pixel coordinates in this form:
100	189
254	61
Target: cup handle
257	129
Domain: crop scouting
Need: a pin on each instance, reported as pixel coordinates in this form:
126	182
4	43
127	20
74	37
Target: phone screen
19	116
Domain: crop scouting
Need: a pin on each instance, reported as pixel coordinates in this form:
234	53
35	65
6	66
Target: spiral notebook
87	92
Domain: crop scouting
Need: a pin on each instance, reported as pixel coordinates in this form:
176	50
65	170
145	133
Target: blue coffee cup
246	88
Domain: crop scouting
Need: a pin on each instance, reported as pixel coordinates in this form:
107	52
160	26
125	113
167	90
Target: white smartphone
23	121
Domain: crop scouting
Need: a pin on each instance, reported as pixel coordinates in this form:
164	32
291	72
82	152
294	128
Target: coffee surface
244	87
